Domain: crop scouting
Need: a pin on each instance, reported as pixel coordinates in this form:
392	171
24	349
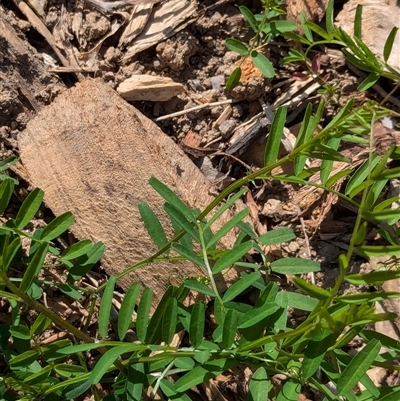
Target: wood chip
149	87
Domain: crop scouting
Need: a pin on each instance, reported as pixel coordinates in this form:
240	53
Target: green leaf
318	30
188	254
84	263
277	236
275	136
74	349
229	328
357	367
34	267
105	362
382	215
389	43
169	322
368	82
197	323
39	376
172	198
249	17
336	177
142	319
75	390
315	352
330	27
56	227
300	301
6	190
393	395
6	163
135	382
361	174
78	249
29	208
41	323
199	287
127	307
310	289
358	22
225	207
234	78
70	290
389	174
20	331
105	306
255	315
259	385
25	359
169	389
326	166
304	134
232	256
355	139
290	391
237	46
177	217
378	250
10	252
367	297
279	27
237	288
375	277
227	227
152	224
295	266
201	374
307	32
263	64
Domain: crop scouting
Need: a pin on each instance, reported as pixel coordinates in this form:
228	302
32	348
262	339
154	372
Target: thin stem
207	263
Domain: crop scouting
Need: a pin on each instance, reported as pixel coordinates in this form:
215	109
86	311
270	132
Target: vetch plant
262	29
310	355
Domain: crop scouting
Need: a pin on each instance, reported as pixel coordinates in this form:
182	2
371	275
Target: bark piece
166	20
149	87
25	84
378	19
93	153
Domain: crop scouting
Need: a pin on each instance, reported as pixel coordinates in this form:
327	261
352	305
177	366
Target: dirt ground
197	58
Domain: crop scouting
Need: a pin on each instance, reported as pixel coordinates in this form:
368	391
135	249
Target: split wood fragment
149	87
92	153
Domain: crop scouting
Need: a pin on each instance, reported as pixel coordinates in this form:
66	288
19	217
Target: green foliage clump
310	355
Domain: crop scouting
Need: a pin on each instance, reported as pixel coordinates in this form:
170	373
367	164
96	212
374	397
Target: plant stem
207	263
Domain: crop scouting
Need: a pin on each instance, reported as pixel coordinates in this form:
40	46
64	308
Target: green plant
256	336
310	355
262	29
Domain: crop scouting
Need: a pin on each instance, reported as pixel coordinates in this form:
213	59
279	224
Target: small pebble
195	85
217	82
227	127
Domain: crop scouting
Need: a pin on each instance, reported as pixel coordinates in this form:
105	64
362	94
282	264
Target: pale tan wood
149	87
93	153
